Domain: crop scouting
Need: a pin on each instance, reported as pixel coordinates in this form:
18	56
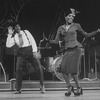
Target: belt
71	48
64	50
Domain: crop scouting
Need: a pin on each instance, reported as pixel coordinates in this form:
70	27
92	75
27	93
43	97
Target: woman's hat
71	11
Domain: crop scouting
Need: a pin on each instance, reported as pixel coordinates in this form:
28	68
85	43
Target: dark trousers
21	61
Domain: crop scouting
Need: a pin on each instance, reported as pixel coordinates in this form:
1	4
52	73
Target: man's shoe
42	89
18	92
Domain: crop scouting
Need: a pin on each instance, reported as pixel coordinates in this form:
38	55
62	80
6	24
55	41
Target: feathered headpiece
71	11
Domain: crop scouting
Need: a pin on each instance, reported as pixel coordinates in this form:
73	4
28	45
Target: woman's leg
76	79
69	86
79	90
67	79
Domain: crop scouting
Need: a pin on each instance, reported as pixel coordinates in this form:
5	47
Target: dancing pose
73	52
27	52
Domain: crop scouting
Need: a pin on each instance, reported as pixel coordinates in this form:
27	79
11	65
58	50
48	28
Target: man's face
17	28
69	18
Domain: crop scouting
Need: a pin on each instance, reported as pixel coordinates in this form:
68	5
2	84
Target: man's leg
19	76
37	65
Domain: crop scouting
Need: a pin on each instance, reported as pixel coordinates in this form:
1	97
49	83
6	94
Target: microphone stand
14	63
95	66
95	54
85	78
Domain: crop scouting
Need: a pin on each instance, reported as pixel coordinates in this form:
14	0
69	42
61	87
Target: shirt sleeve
32	41
10	41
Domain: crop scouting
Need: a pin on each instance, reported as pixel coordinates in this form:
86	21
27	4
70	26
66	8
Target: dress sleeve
85	33
57	37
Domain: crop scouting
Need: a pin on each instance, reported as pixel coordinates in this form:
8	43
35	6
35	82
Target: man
27	52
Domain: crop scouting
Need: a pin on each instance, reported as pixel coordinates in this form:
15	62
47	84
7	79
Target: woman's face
69	18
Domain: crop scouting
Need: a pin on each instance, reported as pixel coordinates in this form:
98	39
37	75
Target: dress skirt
71	61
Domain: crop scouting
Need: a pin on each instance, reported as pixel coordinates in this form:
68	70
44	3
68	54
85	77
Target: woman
72	55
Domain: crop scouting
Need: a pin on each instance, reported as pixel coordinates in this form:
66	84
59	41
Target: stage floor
50	95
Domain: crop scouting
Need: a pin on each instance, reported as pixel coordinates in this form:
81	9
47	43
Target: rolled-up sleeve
10	41
34	45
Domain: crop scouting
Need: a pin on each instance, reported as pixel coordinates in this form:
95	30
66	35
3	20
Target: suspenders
26	36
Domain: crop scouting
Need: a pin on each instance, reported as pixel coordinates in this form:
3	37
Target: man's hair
10	24
16	23
13	24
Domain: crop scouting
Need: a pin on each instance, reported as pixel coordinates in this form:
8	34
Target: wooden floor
50	95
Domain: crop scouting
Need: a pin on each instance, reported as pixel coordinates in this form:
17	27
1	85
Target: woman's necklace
67	27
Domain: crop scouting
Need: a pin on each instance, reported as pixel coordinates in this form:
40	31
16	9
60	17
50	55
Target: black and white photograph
49	49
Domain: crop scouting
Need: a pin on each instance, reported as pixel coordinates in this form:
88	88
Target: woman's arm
87	34
57	38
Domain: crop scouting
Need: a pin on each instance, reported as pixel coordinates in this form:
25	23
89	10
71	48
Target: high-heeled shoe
70	88
79	91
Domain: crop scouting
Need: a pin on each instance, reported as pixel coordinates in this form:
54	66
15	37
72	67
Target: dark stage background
45	16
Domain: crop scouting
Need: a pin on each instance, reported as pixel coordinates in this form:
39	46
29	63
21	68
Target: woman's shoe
70	88
79	91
